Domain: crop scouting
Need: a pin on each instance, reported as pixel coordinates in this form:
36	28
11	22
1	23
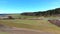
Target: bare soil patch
56	22
14	30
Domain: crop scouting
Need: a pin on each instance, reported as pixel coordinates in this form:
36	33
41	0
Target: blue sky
19	6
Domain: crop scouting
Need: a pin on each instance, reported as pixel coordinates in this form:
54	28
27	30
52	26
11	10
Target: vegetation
3	33
43	13
42	25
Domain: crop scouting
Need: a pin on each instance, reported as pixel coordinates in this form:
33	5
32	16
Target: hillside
43	13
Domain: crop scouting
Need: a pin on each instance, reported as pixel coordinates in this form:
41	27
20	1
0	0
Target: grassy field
3	33
42	25
21	16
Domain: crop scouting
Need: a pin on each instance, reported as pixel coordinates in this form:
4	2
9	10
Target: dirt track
24	31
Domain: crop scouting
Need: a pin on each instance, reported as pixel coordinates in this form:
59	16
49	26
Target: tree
10	17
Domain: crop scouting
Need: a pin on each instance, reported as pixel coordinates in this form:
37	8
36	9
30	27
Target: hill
43	13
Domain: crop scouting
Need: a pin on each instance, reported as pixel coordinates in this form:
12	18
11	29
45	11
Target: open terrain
41	25
25	26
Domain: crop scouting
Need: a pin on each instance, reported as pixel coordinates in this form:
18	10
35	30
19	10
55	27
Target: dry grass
42	25
3	33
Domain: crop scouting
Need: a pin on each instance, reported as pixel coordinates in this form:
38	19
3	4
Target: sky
19	6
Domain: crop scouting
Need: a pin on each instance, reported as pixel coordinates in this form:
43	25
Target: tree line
43	13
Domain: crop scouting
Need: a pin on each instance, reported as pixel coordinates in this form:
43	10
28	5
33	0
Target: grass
3	33
43	25
21	16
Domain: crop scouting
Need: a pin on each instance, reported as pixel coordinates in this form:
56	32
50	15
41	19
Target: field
42	25
3	33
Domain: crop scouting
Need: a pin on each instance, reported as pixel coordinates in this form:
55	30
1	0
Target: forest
51	12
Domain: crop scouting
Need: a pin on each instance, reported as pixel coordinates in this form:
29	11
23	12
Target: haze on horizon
19	6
